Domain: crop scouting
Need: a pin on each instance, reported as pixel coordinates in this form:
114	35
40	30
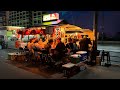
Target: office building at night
2	18
24	18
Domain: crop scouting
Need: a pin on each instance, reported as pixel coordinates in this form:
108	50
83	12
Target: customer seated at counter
48	46
30	47
59	50
41	43
75	46
54	44
36	44
30	44
69	46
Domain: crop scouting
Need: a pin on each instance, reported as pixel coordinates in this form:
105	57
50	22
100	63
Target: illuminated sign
57	32
56	22
49	17
47	23
52	22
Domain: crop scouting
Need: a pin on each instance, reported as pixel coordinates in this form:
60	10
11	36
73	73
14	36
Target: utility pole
95	28
102	25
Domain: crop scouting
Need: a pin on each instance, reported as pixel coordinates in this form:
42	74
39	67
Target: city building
24	18
1	22
2	18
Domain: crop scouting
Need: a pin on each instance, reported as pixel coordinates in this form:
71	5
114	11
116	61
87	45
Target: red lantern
27	32
18	36
38	31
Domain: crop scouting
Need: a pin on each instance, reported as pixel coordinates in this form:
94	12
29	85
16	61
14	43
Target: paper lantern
27	32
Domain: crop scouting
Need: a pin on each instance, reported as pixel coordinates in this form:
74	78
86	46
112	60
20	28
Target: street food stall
52	28
54	31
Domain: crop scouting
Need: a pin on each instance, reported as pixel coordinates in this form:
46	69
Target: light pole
102	25
95	28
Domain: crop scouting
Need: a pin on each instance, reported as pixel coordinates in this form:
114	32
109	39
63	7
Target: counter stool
107	55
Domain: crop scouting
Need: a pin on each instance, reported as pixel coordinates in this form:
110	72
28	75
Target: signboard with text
58	32
53	16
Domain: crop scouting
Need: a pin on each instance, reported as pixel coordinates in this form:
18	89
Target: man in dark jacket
60	49
70	44
84	44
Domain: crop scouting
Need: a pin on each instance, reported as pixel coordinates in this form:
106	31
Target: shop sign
58	33
49	17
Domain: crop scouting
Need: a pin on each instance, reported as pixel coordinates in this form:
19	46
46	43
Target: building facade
24	18
2	18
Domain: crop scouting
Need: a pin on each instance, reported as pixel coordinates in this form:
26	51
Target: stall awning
57	22
13	27
87	30
68	27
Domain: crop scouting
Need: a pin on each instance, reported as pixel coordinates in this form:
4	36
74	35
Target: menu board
57	32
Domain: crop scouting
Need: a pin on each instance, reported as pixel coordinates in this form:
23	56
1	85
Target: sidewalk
8	71
99	72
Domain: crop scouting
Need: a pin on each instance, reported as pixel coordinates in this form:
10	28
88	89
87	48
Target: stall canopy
89	33
57	22
88	30
68	27
12	27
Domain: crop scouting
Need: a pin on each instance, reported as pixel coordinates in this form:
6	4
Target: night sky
84	19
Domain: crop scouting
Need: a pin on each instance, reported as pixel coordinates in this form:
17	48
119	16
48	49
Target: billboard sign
53	16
